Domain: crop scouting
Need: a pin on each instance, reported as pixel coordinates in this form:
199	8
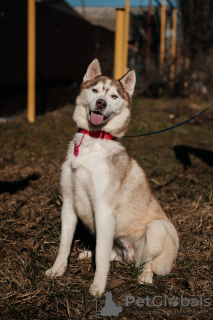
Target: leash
170	128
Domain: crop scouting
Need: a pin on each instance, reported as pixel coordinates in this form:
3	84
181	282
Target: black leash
170	128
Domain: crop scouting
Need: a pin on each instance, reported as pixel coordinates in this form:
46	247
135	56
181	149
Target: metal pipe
119	44
126	39
31	89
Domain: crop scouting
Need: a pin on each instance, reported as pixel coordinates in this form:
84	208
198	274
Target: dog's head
104	103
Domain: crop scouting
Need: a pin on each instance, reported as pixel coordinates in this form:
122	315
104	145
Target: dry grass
179	165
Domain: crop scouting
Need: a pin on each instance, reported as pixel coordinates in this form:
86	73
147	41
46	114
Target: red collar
97	134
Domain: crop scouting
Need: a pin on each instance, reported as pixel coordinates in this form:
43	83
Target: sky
112	3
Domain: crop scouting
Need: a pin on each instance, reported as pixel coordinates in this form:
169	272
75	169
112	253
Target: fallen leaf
114	283
197	284
30	242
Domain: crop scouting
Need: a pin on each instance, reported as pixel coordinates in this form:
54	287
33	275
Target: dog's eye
94	90
114	96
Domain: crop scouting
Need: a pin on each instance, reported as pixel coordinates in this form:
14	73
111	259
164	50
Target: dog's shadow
14	186
182	154
87	240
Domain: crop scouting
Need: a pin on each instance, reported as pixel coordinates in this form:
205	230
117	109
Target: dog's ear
93	70
128	81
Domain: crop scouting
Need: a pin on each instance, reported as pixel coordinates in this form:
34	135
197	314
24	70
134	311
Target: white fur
93	70
109	192
116	110
128	81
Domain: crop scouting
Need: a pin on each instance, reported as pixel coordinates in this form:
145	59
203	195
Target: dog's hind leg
86	254
116	254
159	247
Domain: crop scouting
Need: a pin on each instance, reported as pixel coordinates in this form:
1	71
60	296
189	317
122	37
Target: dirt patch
179	165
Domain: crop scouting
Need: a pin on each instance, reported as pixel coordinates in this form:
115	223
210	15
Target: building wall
65	45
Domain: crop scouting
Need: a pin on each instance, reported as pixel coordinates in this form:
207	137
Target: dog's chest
90	177
90	154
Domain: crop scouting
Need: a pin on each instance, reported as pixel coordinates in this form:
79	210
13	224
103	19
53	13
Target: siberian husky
108	190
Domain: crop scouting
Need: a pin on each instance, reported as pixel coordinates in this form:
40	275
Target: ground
179	165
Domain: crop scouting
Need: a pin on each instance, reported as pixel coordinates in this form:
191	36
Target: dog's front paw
96	290
56	271
146	277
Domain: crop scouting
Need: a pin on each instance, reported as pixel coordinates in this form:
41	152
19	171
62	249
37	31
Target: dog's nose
101	103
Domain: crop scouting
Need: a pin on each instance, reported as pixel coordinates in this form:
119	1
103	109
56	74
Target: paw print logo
173	301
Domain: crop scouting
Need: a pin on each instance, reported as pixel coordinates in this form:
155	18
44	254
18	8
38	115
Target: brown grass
30	202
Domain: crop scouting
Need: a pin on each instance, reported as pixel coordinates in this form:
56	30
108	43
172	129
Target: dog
108	190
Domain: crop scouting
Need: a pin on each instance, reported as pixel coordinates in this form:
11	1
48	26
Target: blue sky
112	3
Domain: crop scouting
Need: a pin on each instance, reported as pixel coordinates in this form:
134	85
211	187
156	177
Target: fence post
162	39
148	44
173	47
119	44
31	75
126	39
186	75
